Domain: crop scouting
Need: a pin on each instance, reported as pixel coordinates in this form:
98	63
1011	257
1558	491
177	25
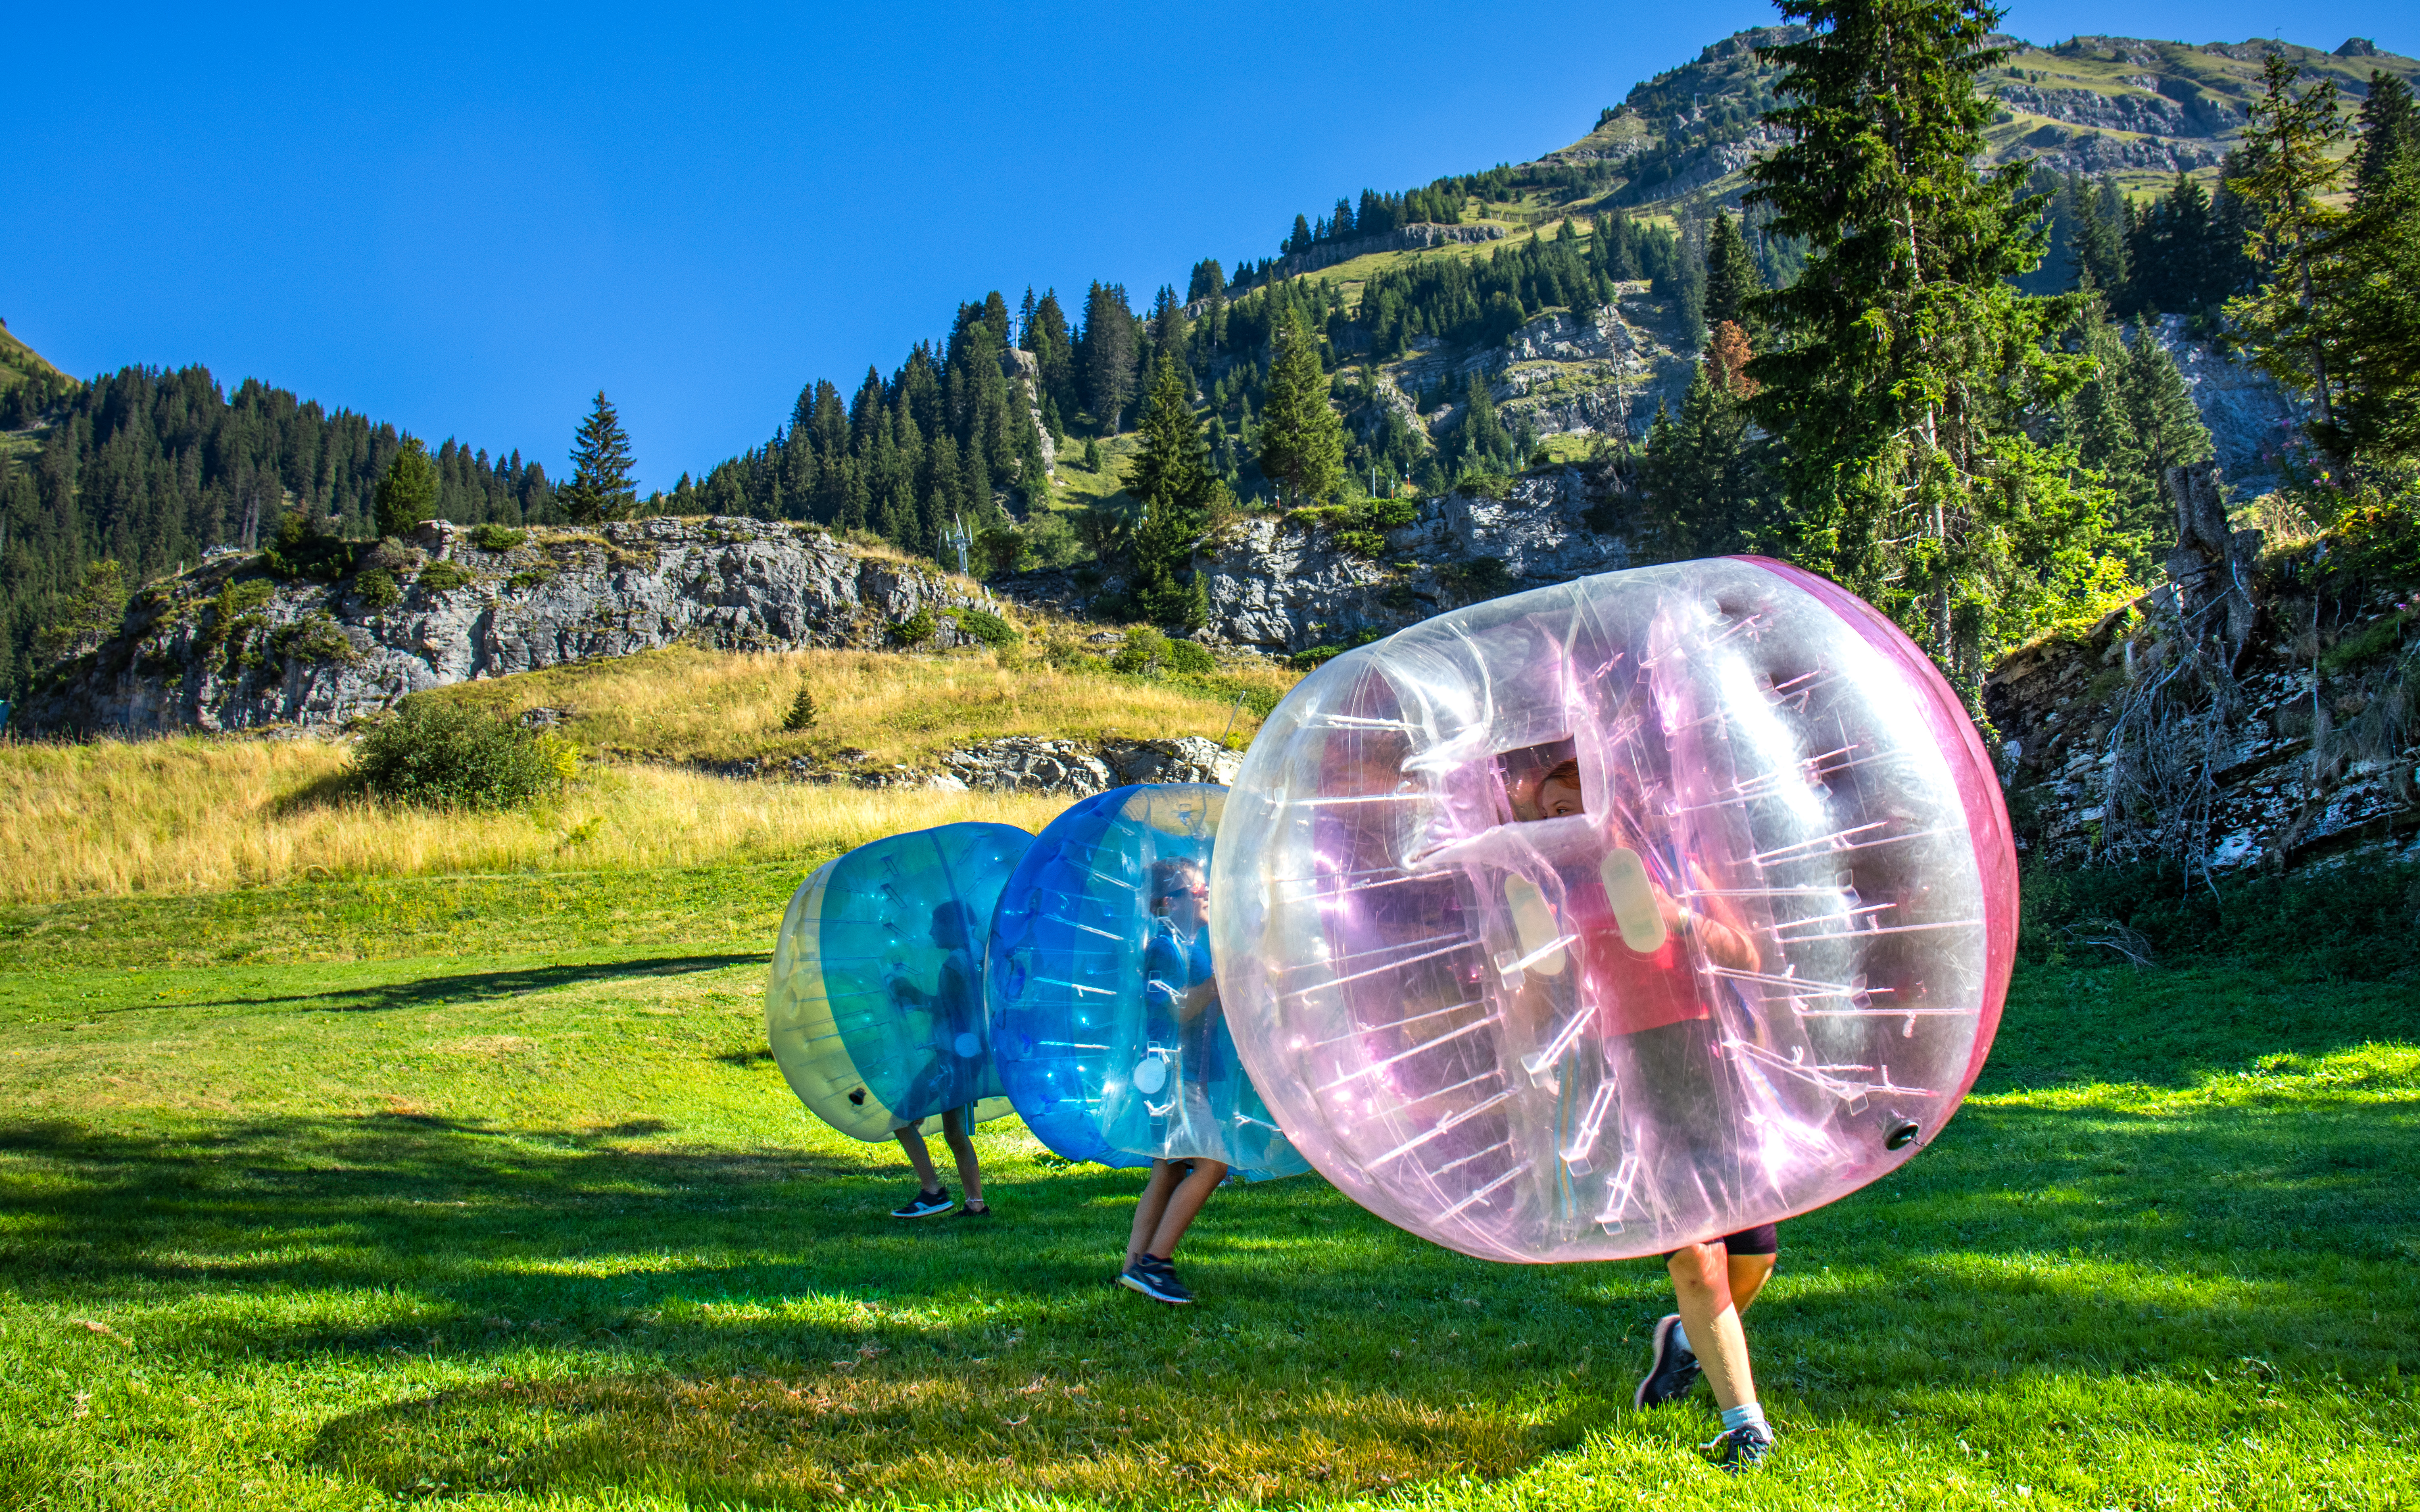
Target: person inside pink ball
1653	1004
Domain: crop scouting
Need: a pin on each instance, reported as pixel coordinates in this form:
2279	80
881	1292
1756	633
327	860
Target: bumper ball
1106	1027
876	1010
1619	915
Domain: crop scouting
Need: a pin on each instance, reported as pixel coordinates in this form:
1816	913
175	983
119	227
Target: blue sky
470	220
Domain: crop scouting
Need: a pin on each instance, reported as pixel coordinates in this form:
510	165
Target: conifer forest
1712	191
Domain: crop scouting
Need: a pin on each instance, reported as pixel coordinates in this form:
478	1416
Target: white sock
1680	1336
1747	1414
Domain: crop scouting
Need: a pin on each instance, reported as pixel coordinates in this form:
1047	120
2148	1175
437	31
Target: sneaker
1740	1448
1155	1279
971	1212
1673	1372
924	1205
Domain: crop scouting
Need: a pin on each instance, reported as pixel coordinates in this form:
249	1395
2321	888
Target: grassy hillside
506	1204
18	361
202	813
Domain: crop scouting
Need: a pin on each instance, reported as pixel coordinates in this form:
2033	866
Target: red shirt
1631	992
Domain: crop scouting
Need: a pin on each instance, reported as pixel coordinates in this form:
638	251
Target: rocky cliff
227	647
2251	709
1286	583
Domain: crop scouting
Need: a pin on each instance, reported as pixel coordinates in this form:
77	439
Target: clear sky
467	222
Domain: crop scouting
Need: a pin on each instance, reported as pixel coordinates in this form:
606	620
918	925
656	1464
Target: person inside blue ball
951	1012
1181	1012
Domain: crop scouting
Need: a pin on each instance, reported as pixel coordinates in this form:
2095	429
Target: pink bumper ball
1607	917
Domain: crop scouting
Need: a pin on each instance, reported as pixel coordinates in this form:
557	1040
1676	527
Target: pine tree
1731	273
601	486
1908	363
2100	255
2390	127
1109	353
2291	170
406	496
1301	439
1170	478
2375	290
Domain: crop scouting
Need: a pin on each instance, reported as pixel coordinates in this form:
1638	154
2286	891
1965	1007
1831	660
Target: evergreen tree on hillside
601	486
1301	439
1711	481
2100	233
407	495
1909	365
2292	172
1731	273
2375	289
1109	353
2390	128
1171	479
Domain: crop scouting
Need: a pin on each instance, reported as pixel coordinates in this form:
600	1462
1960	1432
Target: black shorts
1765	1239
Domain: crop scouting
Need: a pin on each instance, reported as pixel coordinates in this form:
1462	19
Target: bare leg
1748	1274
912	1141
953	1129
1163	1181
1701	1281
1184	1203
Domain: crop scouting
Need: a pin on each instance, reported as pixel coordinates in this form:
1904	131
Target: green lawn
485	1190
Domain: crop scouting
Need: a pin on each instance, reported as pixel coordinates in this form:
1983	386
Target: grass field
358	1192
196	814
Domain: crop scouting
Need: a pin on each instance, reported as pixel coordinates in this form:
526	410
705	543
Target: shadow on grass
479	986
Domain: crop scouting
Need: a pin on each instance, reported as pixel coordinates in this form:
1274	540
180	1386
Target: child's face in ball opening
1184	906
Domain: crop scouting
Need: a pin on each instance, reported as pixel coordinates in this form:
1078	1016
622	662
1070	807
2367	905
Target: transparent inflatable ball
1619	915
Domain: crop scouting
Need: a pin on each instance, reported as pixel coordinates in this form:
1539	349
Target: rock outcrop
225	647
2227	719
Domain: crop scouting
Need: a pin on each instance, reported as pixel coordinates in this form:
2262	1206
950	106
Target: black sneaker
924	1205
1740	1448
970	1211
1673	1372
1155	1279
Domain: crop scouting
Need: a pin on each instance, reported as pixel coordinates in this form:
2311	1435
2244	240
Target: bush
378	588
314	638
304	549
1190	659
1478	578
529	577
1362	543
916	629
988	627
803	711
443	577
454	755
497	538
1145	652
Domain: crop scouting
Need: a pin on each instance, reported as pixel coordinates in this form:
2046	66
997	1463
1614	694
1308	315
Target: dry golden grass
195	814
687	705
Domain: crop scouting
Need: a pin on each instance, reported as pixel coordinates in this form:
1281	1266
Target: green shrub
1494	486
988	627
455	755
1190	659
1145	652
497	538
315	637
445	576
916	629
1393	513
529	577
1478	578
304	549
376	587
1362	543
